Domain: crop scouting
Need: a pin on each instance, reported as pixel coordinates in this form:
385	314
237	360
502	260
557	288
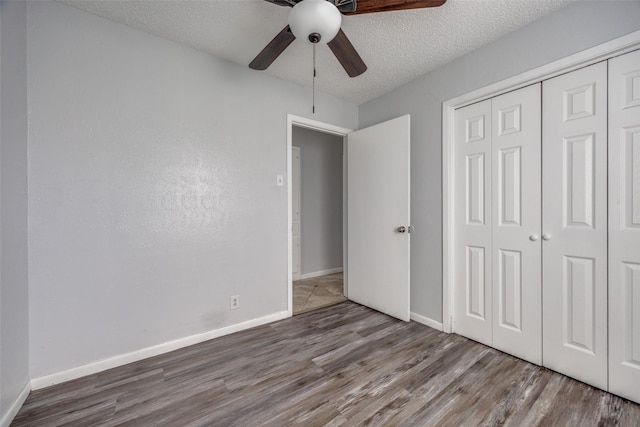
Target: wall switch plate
234	302
280	180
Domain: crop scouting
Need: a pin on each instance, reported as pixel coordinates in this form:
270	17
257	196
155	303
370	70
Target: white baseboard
321	273
15	407
134	356
426	321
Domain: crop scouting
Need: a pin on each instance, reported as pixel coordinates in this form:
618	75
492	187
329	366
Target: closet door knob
533	237
546	236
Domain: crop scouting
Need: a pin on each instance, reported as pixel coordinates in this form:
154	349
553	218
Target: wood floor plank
344	365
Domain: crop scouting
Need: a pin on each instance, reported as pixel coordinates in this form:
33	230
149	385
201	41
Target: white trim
304	122
448	232
15	406
587	57
134	356
320	127
321	273
426	321
598	53
345	209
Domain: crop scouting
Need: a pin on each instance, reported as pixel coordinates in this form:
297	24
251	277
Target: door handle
403	229
533	237
546	236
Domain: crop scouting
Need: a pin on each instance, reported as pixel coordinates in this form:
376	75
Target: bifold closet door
498	272
574	221
624	226
472	163
516	244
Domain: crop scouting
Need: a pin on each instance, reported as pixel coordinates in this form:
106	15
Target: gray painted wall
575	28
152	179
321	199
14	308
152	188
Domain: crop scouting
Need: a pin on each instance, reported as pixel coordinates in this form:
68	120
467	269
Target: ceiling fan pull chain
313	108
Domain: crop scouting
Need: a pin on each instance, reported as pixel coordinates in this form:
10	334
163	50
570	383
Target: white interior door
624	226
295	214
473	290
377	205
516	243
574	221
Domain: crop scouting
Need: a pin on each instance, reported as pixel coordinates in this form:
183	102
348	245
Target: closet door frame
582	59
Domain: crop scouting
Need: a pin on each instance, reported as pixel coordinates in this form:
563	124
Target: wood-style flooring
342	365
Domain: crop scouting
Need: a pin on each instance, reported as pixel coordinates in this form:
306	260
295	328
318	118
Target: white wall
570	30
152	191
14	309
321	199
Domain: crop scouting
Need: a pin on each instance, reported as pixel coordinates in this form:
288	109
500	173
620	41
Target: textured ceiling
396	46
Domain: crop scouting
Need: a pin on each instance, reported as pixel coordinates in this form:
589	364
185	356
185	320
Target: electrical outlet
234	302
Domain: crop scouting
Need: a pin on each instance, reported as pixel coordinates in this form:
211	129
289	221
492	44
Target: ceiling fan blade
371	6
273	49
347	55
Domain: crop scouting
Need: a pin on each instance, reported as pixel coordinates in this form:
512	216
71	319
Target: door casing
306	123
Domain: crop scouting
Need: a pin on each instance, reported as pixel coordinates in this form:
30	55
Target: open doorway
376	213
317	215
317	219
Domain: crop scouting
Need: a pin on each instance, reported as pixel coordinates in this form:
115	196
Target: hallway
317	292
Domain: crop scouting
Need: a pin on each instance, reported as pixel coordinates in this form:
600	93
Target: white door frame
304	122
590	56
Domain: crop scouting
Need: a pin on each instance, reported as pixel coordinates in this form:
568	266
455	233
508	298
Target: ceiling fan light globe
315	16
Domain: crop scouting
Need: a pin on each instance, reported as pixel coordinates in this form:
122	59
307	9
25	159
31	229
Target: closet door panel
472	162
574	224
624	226
516	244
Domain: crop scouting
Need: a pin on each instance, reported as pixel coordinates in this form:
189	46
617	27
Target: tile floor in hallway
317	292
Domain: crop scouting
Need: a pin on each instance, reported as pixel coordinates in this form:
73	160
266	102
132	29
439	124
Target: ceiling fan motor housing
317	21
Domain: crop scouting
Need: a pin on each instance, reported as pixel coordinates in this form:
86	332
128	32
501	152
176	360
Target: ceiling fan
318	21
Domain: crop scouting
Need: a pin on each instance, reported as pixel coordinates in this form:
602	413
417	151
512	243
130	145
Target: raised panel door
516	244
624	226
574	224
472	161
